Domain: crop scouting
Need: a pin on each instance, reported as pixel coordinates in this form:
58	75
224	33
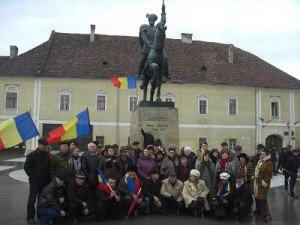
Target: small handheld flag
103	185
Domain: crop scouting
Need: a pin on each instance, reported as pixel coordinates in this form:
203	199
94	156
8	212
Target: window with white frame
203	103
11	97
101	102
64	100
232	143
169	97
232	106
100	139
275	106
132	103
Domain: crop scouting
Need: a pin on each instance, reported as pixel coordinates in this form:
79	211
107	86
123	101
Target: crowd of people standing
218	183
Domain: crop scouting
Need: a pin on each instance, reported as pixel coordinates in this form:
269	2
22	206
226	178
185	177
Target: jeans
48	214
171	204
142	207
34	192
286	179
241	209
196	205
109	208
293	176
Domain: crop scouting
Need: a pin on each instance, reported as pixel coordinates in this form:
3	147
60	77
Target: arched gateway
274	140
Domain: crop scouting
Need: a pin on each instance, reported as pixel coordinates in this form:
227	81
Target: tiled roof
3	59
73	55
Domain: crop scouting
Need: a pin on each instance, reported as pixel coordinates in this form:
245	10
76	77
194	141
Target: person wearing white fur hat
195	193
224	195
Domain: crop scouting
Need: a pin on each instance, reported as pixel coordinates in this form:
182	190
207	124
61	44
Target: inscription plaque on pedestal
160	117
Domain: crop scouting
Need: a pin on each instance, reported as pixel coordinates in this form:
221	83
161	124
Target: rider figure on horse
147	35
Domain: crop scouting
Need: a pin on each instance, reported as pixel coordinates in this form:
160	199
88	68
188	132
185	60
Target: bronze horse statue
155	65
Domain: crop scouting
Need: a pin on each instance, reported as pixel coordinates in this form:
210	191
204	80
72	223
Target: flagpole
131	208
118	117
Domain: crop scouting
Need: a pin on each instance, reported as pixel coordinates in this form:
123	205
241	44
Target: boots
265	213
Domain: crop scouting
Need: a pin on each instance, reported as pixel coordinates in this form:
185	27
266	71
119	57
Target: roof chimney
186	38
13	51
230	53
92	36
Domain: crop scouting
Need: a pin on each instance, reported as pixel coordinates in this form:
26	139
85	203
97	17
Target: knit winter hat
224	176
195	173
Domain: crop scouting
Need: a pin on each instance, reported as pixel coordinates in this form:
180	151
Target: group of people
113	182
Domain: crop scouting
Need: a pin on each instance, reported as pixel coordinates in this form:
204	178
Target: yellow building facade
41	97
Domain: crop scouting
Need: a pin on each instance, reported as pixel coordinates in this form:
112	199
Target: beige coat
168	190
191	192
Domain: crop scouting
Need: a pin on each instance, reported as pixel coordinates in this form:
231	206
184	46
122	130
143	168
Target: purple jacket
145	166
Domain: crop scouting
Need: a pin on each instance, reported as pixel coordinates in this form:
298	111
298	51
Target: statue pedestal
160	117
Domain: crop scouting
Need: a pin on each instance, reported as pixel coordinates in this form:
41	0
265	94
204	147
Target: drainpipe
256	117
118	118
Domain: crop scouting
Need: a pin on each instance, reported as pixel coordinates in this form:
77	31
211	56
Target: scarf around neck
206	165
223	189
224	163
260	163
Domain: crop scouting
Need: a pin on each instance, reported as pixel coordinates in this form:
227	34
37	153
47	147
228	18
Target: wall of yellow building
297	117
83	94
283	95
25	98
187	97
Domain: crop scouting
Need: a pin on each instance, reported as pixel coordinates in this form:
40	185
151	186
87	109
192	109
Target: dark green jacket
64	163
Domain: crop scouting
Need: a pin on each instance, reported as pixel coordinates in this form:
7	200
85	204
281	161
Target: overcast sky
269	29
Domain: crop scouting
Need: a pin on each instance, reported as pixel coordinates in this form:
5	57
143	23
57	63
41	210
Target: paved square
14	194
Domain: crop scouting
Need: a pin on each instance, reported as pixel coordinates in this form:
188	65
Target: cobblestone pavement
14	194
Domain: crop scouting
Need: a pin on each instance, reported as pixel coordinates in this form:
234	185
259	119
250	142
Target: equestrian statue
154	63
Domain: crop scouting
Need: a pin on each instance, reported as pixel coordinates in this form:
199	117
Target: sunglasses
80	178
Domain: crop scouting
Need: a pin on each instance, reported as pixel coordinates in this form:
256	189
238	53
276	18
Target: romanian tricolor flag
16	130
77	127
133	185
124	82
103	185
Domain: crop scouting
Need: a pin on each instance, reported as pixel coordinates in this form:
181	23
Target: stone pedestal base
159	117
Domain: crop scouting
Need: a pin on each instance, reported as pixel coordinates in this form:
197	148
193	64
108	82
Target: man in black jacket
242	199
129	189
283	155
109	202
78	196
151	188
148	138
52	203
37	167
292	166
90	161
